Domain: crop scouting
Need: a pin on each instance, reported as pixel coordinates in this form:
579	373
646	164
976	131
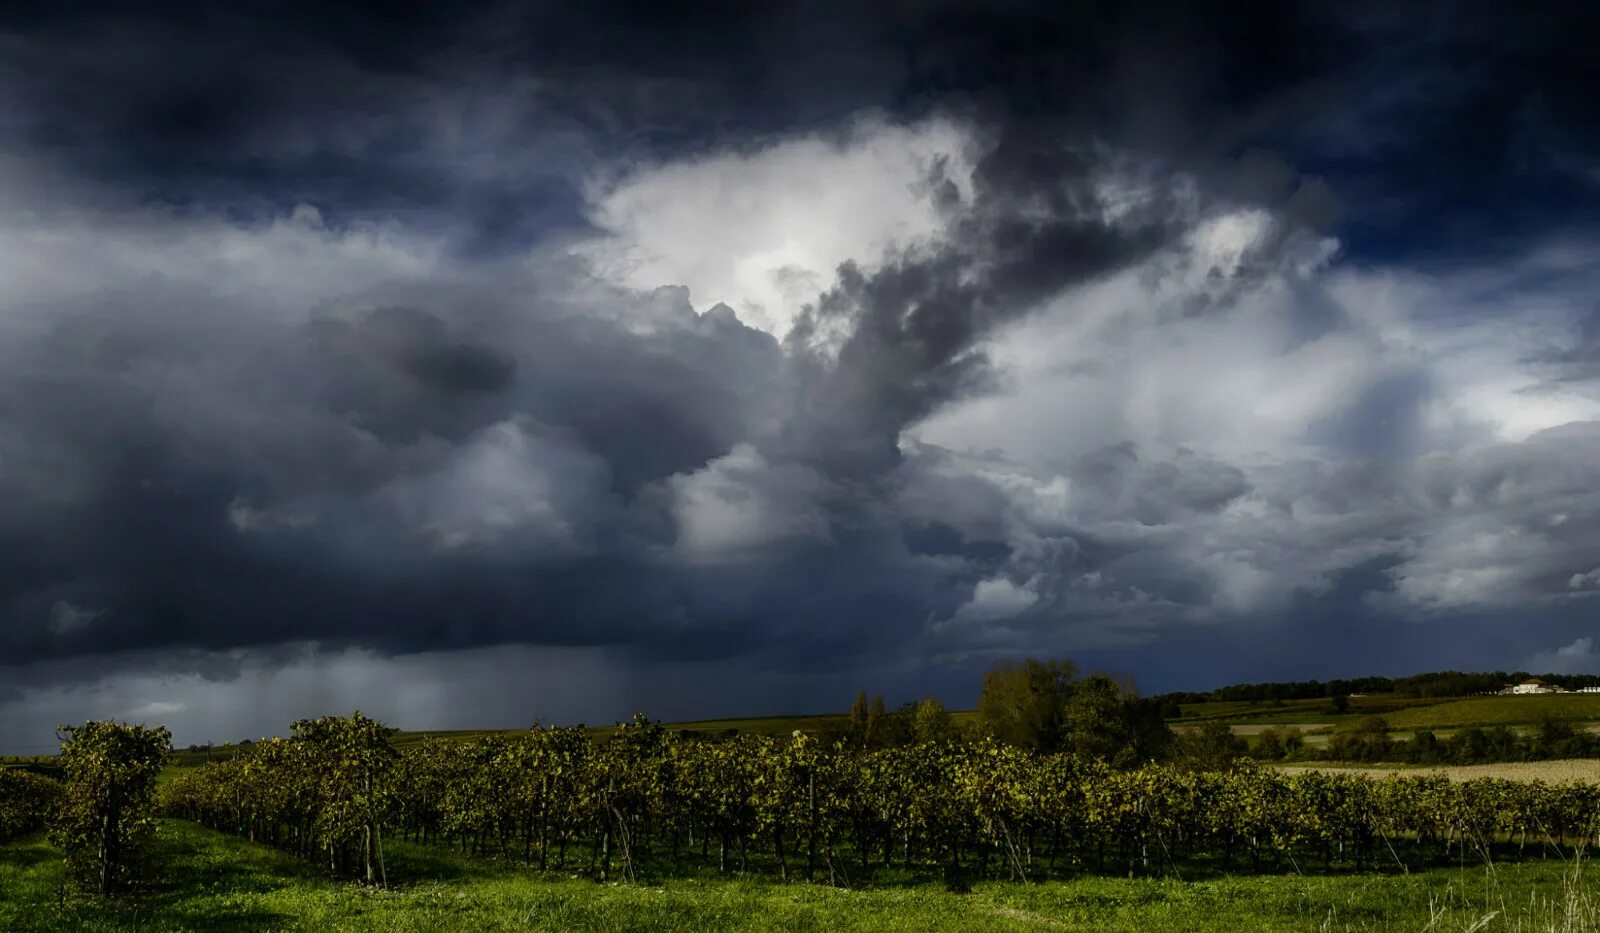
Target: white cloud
739	506
86	252
1579	657
513	480
996	599
763	230
1585	581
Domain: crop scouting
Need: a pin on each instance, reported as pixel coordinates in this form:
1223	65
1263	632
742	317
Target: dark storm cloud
1462	130
328	485
1445	123
1155	493
477	448
1579	360
368	111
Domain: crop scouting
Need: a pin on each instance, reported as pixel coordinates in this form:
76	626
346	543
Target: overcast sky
550	361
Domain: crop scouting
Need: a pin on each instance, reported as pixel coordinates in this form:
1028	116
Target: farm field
212	882
1316	719
1551	772
1500	711
1317	711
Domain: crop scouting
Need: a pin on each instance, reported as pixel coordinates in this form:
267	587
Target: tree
931	722
1341	703
897	727
1423	748
857	733
1041	705
1277	743
1269	744
1023	703
1211	746
1366	740
875	722
1107	721
104	818
1093	724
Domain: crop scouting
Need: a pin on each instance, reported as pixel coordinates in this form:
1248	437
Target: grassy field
1551	772
1317	719
1500	711
1318	711
210	882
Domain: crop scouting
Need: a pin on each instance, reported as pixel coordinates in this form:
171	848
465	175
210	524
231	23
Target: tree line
1041	705
1435	684
1370	740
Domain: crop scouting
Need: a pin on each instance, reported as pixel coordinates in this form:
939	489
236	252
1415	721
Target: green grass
1500	711
1318	711
210	882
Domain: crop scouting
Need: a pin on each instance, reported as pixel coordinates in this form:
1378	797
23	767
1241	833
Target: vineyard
26	802
647	803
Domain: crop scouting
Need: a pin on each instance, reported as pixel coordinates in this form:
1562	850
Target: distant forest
1438	684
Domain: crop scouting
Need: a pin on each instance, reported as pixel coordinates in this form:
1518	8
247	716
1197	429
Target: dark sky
476	363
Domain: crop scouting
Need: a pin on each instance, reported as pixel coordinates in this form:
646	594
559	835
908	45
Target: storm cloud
792	349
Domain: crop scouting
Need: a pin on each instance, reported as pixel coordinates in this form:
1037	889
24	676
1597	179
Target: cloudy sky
515	361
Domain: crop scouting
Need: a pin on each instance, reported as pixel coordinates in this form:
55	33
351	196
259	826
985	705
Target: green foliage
857	731
1368	741
648	801
350	757
27	801
871	725
1277	743
1041	705
1023	703
931	722
103	817
325	793
1211	746
1499	711
1431	685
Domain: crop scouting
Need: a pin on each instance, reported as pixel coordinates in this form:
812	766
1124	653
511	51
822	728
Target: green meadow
1500	711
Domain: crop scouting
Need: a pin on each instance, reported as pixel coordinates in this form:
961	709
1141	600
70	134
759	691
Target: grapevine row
26	802
649	801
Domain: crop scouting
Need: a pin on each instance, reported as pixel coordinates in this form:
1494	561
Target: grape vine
646	801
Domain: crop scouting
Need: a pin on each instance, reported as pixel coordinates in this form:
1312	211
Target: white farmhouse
1531	685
